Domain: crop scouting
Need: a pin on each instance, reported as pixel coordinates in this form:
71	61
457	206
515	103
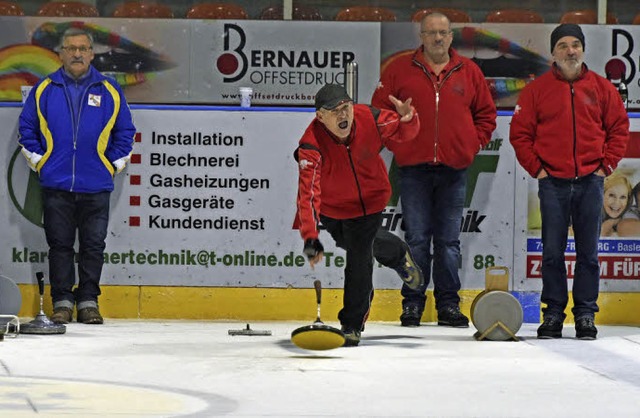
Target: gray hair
434	14
74	32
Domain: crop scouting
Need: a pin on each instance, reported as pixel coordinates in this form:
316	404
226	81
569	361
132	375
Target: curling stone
42	325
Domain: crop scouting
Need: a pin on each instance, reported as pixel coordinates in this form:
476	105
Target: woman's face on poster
616	199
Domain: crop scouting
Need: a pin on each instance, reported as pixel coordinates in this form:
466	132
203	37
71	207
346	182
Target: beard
571	64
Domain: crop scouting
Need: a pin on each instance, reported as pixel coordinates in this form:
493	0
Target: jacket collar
454	59
92	76
557	74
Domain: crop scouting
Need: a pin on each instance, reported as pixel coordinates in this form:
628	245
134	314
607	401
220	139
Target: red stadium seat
454	15
10	8
68	9
586	17
366	14
514	16
143	9
298	13
217	11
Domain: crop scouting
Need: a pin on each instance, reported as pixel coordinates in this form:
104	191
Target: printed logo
622	67
233	63
94	100
278	65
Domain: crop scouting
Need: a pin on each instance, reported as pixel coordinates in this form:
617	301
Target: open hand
404	109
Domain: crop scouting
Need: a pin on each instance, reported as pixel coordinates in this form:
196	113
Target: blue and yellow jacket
77	153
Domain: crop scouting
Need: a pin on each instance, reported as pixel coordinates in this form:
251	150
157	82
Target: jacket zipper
436	87
355	176
575	139
75	134
76	130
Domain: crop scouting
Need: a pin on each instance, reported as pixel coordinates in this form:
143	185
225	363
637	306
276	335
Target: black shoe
585	328
410	273
351	337
450	316
551	327
411	315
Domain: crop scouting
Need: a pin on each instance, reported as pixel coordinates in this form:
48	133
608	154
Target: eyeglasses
74	49
432	33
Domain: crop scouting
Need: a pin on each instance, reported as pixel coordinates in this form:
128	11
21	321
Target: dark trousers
576	203
64	214
362	239
432	200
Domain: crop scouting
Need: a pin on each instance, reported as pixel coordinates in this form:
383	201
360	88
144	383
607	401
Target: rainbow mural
128	62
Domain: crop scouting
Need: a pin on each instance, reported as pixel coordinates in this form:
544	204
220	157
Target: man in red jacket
569	130
457	117
343	183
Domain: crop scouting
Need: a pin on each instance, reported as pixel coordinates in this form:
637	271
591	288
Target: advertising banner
510	55
286	62
198	61
147	57
208	199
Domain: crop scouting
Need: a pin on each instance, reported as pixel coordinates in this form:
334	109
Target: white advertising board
209	199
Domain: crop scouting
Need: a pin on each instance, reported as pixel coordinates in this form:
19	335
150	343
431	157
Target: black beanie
566	29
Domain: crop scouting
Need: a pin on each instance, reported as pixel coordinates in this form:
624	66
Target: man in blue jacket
76	132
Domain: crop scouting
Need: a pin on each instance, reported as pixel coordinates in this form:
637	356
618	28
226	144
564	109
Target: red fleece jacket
347	180
571	129
457	113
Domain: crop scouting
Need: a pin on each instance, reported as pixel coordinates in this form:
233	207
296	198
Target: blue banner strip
248	109
607	246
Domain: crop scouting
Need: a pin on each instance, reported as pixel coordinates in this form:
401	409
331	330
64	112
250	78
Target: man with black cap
343	183
569	130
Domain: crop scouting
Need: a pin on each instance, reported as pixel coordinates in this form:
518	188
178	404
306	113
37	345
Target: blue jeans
432	199
577	203
64	214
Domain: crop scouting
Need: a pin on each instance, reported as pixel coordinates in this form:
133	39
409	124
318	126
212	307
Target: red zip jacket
569	128
457	113
347	180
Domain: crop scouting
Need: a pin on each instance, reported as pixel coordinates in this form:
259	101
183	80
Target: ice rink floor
147	368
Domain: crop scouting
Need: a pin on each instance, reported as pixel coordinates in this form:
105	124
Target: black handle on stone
40	277
318	287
